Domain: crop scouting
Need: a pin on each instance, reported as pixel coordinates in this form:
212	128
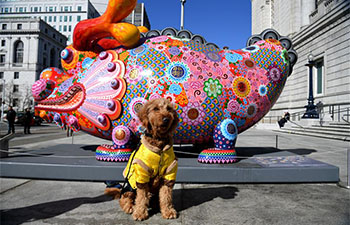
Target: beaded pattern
206	85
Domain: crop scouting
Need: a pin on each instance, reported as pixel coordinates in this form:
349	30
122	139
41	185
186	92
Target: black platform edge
86	168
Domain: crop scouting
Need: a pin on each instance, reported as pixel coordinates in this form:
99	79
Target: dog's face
159	117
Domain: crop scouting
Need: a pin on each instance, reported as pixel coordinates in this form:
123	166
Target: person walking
27	121
11	116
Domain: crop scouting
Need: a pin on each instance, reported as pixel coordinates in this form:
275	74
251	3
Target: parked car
36	120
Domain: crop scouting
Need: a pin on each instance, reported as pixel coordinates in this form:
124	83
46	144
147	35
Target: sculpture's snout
42	88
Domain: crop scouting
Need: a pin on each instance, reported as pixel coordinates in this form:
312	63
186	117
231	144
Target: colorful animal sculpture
217	93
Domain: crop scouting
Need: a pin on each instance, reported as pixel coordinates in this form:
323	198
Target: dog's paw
169	213
127	208
140	214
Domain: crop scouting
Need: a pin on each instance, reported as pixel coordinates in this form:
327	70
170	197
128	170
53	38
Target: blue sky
223	22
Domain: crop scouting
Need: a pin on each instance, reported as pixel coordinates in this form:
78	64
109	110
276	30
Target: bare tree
9	95
27	98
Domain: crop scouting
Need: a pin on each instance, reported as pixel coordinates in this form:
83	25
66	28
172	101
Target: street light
3	100
182	13
311	112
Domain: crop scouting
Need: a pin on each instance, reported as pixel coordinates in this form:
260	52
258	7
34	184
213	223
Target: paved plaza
63	202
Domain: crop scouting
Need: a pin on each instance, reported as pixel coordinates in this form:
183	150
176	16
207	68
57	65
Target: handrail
333	109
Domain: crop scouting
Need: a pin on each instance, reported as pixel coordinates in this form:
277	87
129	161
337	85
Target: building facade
317	27
138	17
27	46
62	15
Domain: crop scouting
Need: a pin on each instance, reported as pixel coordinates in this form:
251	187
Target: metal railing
337	112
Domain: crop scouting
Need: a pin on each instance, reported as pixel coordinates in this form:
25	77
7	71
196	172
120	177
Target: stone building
320	27
27	46
62	15
138	17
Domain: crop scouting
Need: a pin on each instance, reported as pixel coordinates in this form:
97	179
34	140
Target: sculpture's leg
123	144
225	135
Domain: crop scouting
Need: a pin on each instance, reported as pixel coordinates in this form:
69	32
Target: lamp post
311	112
182	13
3	100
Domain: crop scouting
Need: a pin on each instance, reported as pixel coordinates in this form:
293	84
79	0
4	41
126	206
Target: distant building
27	46
321	27
62	15
138	16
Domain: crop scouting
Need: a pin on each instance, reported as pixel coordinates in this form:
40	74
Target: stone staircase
332	130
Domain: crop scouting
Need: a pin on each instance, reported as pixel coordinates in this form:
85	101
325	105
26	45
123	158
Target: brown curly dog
152	169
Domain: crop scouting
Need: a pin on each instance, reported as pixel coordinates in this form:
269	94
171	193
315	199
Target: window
18	56
51	9
4	26
319	77
2	59
1	75
70	18
64	28
66	8
60	28
69	28
79	8
45	46
16	75
0	87
52	57
36	9
61	18
78	18
15	102
44	62
50	18
3	43
15	88
19	26
65	18
54	19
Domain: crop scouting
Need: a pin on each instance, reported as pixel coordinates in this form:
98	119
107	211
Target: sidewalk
58	202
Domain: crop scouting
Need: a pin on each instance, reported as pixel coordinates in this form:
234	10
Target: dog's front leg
166	200
141	202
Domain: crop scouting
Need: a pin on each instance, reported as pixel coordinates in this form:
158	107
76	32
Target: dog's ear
175	120
143	116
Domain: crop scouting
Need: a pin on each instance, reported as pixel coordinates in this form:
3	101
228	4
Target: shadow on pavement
46	210
197	196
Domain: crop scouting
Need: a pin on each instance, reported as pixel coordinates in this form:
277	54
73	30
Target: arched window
18	53
52	57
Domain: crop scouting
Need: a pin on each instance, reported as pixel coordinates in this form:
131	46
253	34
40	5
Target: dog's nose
166	120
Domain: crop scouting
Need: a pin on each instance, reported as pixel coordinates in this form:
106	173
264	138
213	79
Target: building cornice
309	31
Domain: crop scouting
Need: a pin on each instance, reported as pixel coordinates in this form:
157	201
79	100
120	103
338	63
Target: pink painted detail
42	88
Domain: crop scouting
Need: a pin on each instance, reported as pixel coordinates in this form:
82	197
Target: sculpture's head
81	100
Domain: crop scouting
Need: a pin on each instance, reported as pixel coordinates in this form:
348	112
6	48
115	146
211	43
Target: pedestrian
11	116
27	121
284	119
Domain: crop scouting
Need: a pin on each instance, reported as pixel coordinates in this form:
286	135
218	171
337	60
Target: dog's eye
156	109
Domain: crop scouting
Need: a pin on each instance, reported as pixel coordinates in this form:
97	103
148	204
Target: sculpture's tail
285	41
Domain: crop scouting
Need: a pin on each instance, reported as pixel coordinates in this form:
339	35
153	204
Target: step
334	137
319	131
335	129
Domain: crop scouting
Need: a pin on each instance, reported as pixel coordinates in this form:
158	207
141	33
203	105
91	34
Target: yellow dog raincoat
147	164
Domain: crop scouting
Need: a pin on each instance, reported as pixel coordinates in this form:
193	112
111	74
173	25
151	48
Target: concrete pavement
61	202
